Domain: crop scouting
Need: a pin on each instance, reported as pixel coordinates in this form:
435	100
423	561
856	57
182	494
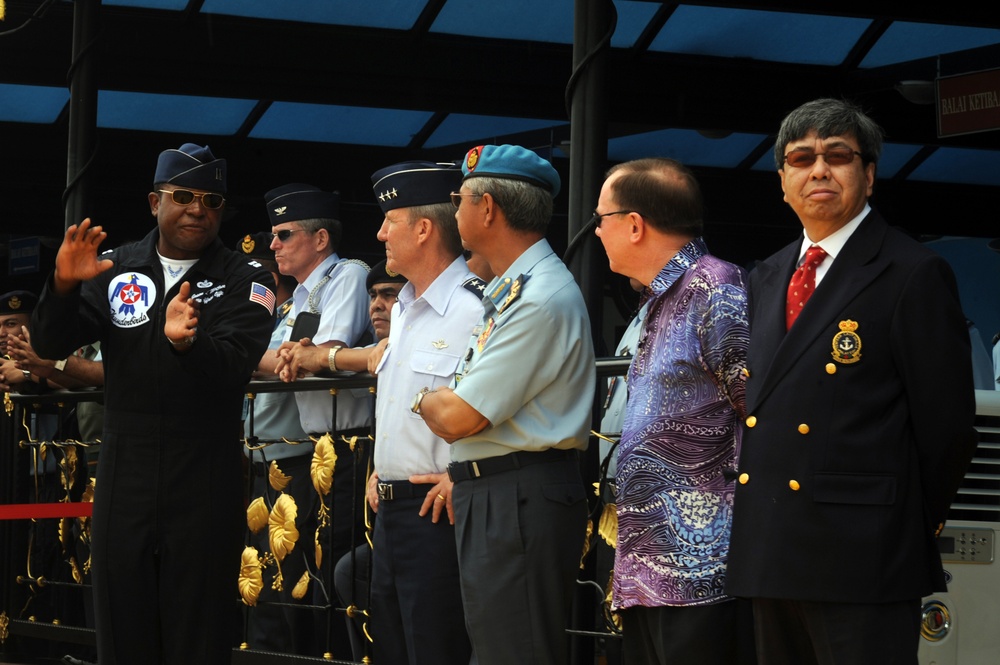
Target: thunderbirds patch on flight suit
130	295
846	343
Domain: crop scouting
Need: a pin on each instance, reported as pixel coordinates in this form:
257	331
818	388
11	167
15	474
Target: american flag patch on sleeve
263	296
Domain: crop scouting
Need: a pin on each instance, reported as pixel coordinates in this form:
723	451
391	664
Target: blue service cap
297	201
191	166
512	162
411	184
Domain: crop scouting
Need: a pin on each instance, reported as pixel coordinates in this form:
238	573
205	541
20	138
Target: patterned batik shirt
681	433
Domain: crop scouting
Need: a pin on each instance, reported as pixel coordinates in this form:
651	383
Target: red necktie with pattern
803	284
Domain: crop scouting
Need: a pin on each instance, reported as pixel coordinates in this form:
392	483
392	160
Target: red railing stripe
26	511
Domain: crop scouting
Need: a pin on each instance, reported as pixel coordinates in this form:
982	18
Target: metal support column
587	99
82	144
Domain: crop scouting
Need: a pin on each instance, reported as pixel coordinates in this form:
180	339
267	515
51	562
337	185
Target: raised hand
181	318
77	258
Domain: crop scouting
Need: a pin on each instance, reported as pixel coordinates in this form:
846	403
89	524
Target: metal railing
20	587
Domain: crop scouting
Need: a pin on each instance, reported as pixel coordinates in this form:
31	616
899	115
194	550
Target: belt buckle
384	492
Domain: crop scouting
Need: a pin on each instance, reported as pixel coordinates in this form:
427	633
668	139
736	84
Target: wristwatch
417	399
331	358
61	364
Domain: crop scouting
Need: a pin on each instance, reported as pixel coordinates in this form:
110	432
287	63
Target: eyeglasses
185	197
598	218
835	157
456	197
285	234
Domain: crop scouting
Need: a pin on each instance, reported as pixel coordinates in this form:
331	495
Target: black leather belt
459	471
394	490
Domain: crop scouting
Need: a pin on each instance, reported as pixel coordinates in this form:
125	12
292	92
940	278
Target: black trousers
167	531
791	632
719	634
520	539
416	600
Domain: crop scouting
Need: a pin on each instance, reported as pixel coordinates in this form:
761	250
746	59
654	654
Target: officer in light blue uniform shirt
416	603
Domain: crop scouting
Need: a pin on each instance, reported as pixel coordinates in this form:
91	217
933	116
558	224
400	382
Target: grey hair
442	215
527	207
830	117
332	226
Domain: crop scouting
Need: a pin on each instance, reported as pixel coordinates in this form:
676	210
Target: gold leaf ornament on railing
275	476
324	462
257	515
588	536
299	592
67	465
607	528
282	532
251	580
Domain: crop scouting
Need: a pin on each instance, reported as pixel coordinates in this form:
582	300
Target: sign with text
23	255
968	103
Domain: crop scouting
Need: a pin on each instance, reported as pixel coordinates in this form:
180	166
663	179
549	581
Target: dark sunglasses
835	157
285	234
598	218
185	197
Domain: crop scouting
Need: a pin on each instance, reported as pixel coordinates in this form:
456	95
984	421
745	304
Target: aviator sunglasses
185	197
832	157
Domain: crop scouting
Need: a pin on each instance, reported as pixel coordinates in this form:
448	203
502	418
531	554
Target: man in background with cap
182	323
20	365
331	294
415	589
15	314
276	417
15	311
55	472
518	412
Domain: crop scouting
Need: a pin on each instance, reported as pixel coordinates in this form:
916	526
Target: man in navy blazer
860	413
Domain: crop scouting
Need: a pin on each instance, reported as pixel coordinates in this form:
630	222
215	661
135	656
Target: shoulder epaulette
475	286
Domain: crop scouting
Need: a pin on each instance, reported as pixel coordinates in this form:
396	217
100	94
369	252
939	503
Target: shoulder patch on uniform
475	286
510	291
263	296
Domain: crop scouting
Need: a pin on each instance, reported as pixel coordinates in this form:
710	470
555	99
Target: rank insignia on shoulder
846	343
475	285
513	293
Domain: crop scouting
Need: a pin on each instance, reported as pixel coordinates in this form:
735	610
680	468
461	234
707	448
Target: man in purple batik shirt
682	426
